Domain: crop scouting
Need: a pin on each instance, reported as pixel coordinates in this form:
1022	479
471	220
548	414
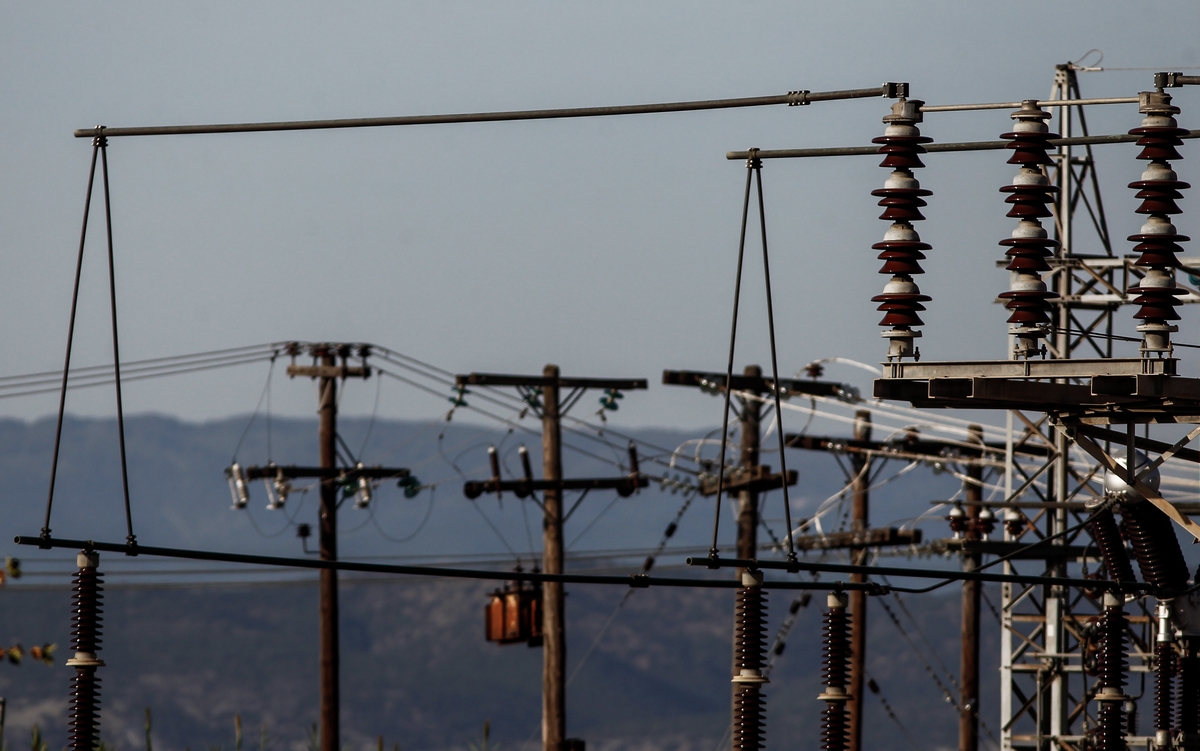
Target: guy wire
737	290
62	399
762	216
130	539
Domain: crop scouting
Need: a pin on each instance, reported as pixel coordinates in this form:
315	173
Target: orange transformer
514	614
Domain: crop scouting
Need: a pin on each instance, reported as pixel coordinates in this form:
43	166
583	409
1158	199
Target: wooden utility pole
968	723
554	668
747	518
860	521
554	636
326	371
328	600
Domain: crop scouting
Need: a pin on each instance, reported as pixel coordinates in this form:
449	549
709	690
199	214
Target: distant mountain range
415	667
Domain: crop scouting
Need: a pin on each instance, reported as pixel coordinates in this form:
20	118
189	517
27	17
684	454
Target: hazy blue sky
604	245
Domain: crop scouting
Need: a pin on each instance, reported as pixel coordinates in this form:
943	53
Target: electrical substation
1085	469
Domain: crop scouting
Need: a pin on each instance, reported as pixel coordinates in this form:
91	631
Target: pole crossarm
911	449
860	538
755	479
715	383
291	471
500	379
625	486
632	580
791	99
329	371
949	575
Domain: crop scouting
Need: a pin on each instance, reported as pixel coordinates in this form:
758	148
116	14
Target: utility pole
327	534
554	627
749	416
330	363
553	406
860	465
968	724
747	519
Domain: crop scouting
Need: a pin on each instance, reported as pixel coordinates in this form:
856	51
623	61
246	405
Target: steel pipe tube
792	98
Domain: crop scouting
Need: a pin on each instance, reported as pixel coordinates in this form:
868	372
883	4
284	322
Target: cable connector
798	98
893	90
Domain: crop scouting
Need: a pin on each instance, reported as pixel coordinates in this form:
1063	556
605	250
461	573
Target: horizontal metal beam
792	98
1018	105
633	580
1148	445
1082	368
934	148
951	575
524	488
291	472
500	379
758	384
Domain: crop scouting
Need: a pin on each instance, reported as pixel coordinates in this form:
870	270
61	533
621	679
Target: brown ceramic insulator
1029	201
1029	308
901	152
749	719
835	727
86	601
83	728
835	652
1112	664
1029	148
1158	249
750	628
1189	693
1158	142
902	204
1159	196
901	256
1029	254
1164	672
1155	546
1112	547
1110	730
1158	303
900	309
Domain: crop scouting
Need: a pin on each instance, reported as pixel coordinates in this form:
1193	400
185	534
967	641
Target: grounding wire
737	291
62	400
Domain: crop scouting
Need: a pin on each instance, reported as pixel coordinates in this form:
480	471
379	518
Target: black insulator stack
1155	546
1158	242
750	647
1189	691
1112	548
1030	197
835	653
1164	674
901	251
84	704
1111	667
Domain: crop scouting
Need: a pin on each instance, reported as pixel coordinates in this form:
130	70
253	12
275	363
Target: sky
606	245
